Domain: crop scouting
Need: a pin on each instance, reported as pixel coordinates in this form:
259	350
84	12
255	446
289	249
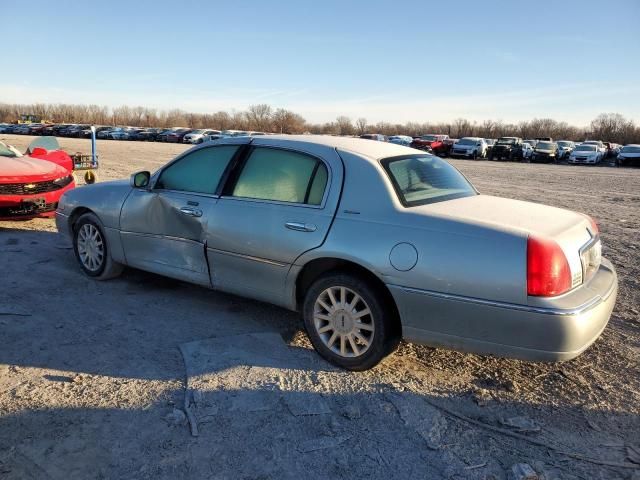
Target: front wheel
348	322
91	249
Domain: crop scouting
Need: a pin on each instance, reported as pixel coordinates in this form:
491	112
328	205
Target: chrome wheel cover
343	321
90	247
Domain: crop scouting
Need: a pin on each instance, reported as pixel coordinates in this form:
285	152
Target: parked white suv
469	147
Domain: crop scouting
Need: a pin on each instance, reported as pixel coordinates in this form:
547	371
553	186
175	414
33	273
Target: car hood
537	150
506	215
629	155
28	169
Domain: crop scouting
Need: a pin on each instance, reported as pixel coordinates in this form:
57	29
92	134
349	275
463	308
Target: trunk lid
571	230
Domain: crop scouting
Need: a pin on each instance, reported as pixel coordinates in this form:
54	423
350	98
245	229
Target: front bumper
585	161
31	206
461	153
555	329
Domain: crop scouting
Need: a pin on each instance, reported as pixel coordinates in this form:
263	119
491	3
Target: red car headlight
63	181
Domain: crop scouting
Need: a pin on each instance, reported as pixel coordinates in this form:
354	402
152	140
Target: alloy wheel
90	247
343	321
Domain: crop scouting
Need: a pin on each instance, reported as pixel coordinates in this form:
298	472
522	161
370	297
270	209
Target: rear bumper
558	330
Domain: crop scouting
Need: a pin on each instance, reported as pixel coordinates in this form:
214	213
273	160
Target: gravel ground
97	378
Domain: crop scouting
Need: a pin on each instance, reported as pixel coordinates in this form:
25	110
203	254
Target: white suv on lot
469	147
198	136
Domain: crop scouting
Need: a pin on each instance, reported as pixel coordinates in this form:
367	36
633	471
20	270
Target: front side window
283	176
422	179
199	171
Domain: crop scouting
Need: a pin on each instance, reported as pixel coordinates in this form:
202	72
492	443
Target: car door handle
300	227
192	212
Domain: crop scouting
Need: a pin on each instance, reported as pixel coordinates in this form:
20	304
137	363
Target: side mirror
140	179
479	144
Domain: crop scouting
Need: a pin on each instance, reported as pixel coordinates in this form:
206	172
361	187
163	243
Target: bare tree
285	121
259	117
361	126
613	127
344	125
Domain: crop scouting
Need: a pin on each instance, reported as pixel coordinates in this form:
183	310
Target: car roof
360	146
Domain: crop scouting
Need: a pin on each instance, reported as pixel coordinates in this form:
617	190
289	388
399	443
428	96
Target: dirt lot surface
112	379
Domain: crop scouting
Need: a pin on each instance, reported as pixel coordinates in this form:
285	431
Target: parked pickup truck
436	144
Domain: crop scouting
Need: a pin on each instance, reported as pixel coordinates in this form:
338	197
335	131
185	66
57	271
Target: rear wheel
91	249
348	322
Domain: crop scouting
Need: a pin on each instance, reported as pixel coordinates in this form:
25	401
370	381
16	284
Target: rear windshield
422	179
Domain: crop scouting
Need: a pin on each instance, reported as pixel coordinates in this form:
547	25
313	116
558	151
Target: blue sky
393	61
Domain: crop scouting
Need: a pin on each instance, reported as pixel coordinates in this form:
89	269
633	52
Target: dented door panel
164	232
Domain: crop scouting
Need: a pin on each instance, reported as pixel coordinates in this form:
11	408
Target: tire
89	229
339	345
475	155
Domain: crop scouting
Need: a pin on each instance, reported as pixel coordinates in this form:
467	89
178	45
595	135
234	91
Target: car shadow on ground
93	384
263	409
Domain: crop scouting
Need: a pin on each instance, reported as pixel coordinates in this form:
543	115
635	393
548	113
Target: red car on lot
176	136
437	144
31	184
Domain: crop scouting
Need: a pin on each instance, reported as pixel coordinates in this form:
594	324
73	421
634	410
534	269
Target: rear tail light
594	226
548	272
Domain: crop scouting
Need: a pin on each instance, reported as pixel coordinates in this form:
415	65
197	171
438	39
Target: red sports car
32	184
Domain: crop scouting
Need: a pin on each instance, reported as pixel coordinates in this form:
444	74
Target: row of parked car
171	135
539	150
542	149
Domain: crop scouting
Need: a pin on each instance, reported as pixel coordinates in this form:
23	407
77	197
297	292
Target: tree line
612	127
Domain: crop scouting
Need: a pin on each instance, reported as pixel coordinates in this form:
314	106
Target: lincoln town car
371	242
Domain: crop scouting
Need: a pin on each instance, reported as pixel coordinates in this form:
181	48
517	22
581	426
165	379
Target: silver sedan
370	241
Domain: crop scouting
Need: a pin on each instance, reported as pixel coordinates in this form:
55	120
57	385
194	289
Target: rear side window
199	171
422	179
283	176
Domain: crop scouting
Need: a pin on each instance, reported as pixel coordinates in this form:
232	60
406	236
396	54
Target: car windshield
506	141
630	149
565	144
467	141
585	148
545	146
198	131
423	179
9	151
48	143
429	138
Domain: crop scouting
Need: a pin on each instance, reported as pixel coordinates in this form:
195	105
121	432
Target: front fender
104	199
